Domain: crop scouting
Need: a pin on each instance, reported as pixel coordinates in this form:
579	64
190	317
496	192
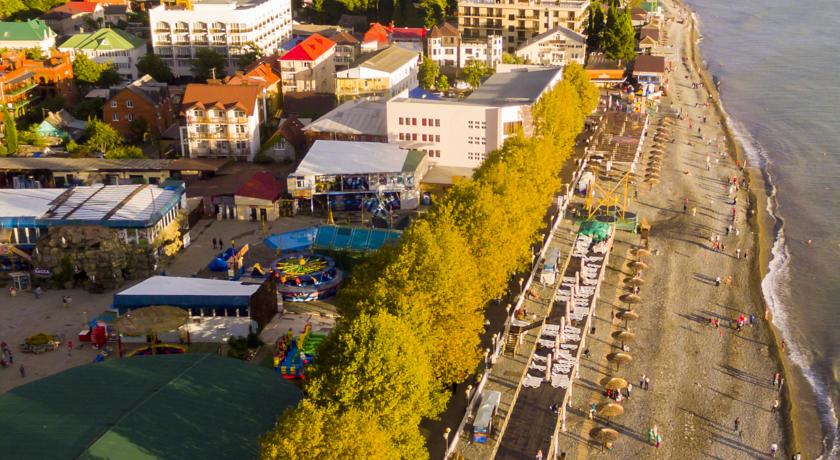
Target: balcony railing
20	89
217	120
219	135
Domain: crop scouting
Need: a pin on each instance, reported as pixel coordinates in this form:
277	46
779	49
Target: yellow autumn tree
313	432
588	93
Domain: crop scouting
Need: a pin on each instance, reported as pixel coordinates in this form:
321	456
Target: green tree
88	108
252	52
312	432
206	60
139	127
35	53
153	65
595	30
508	58
123	151
475	71
442	83
86	71
587	92
10	7
10	134
433	12
32	137
619	38
108	76
428	73
54	103
101	137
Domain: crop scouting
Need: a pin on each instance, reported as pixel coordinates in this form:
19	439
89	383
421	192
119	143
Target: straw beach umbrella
631	298
639	264
635	281
605	436
628	315
613	383
610	409
619	358
624	336
642	252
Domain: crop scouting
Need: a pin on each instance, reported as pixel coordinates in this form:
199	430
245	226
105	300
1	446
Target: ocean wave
775	289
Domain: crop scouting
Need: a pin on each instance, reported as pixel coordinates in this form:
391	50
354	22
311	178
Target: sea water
779	66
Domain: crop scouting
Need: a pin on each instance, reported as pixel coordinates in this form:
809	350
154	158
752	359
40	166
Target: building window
401	120
437	121
115	117
129	104
414	136
423	121
414	121
114	104
130	117
402	136
437	137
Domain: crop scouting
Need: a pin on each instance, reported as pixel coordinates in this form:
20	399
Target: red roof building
408	33
258	199
310	49
309	66
377	33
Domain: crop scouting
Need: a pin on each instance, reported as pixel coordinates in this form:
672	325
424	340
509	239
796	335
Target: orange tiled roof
221	96
378	33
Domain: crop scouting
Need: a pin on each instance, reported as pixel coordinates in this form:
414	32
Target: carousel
306	277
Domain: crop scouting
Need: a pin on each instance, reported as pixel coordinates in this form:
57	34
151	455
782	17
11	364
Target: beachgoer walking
22	371
214	242
629	389
685	205
69	347
776	376
775	406
642	382
752	319
694	211
647	383
592	408
717	281
737	423
658	441
738	253
773	449
539	455
38	291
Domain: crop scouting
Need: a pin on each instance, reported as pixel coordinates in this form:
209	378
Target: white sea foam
775	289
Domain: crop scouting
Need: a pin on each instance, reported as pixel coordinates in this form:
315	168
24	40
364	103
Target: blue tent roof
420	93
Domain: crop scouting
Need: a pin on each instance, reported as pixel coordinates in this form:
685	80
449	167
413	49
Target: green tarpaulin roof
168	406
103	40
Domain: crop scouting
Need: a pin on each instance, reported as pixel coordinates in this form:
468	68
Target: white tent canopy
345	157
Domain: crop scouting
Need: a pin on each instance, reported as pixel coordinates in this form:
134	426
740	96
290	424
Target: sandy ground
702	377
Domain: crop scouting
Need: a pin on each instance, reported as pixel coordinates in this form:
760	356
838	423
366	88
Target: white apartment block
222	121
462	133
309	66
385	73
225	26
518	20
448	49
557	47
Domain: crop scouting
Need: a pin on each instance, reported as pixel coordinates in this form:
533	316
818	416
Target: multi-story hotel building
518	20
225	26
460	133
222	121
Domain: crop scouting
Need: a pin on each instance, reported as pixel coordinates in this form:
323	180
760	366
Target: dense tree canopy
206	62
588	93
10	136
93	73
475	71
619	36
153	65
412	314
428	73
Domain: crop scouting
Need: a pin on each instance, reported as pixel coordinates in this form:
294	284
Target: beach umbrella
628	315
642	252
654	175
631	298
653	181
605	436
624	336
639	264
634	281
613	383
619	357
610	409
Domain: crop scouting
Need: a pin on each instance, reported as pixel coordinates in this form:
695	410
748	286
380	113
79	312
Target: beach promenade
703	377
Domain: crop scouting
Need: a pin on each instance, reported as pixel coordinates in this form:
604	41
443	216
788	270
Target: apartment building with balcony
346	49
17	91
109	46
519	20
222	121
225	26
309	66
53	74
384	73
448	49
557	47
460	134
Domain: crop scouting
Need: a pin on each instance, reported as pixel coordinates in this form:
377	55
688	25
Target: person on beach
773	449
22	371
738	253
658	441
651	436
647	383
214	242
775	406
629	389
737	423
776	376
642	382
717	281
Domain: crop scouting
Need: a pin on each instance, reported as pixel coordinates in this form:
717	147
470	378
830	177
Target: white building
222	121
448	49
225	26
33	33
557	47
114	46
461	133
385	73
309	66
